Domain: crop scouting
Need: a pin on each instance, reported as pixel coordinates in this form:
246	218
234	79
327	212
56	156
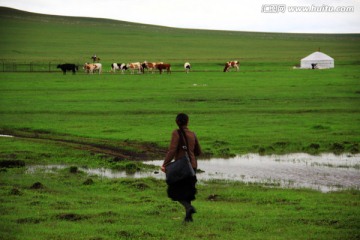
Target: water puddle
7	136
326	172
101	172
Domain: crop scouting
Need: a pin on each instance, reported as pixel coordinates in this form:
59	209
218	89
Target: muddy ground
119	150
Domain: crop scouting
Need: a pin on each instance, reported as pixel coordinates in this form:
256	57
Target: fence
29	67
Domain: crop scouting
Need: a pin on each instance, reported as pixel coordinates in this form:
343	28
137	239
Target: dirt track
119	150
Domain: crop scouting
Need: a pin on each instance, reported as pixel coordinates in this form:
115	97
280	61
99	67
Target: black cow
68	67
143	66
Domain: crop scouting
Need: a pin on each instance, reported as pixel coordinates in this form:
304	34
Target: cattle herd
140	67
137	67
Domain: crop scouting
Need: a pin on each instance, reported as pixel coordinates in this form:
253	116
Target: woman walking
183	191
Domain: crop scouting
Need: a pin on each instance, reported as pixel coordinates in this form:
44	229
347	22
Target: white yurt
317	60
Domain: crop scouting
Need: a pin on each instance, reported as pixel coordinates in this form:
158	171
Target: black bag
181	168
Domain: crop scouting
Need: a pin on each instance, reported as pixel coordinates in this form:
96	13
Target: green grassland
276	111
33	37
266	107
108	120
69	204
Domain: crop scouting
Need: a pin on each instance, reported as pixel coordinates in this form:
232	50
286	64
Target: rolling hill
29	37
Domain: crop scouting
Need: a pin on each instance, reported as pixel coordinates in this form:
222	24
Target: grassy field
109	120
79	208
276	111
68	204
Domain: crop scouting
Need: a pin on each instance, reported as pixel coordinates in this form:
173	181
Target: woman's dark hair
182	119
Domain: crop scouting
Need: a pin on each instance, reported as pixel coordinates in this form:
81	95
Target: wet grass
66	207
69	204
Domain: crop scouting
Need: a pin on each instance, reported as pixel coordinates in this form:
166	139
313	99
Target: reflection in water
101	172
8	136
326	172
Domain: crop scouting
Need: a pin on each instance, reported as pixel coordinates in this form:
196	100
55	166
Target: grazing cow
163	66
231	64
68	67
119	66
124	67
114	67
150	66
143	66
98	67
88	67
135	66
92	67
187	67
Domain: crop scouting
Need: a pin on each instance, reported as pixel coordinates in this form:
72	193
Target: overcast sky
325	16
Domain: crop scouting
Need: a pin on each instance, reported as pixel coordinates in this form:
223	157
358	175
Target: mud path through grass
119	150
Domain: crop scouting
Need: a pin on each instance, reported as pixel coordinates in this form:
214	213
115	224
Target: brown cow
163	66
231	64
149	65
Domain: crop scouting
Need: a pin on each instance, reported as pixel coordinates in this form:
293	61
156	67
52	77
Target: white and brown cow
150	66
89	68
98	67
135	66
231	64
92	67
